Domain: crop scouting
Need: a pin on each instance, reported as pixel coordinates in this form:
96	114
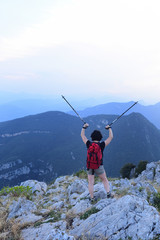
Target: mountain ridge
151	112
25	107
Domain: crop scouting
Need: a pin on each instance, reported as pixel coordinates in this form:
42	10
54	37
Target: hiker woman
92	169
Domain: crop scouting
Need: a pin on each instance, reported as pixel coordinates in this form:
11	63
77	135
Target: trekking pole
122	114
73	109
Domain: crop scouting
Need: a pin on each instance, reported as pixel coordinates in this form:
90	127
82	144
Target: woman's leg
91	184
105	182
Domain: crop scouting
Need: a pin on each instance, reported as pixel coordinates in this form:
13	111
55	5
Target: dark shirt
102	146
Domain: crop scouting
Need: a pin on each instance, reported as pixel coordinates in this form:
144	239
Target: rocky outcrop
62	210
23	211
151	173
128	216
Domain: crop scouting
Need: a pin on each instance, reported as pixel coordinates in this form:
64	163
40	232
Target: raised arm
109	139
83	136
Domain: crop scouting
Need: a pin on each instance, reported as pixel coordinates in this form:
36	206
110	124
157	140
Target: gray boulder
151	166
23	211
81	206
99	191
21	207
59	180
78	186
124	183
143	189
57	206
46	231
73	198
39	188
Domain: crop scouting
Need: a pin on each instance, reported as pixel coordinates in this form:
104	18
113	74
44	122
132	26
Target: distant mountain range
21	108
151	112
48	145
29	106
25	107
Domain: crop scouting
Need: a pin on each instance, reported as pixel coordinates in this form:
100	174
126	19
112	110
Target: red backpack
94	156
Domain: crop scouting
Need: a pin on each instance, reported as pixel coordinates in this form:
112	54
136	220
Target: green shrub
126	170
141	167
55	214
81	174
157	237
121	192
17	191
141	189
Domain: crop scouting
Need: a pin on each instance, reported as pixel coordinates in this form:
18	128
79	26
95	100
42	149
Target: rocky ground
62	210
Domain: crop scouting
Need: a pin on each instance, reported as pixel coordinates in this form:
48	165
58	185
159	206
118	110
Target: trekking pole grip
84	127
108	127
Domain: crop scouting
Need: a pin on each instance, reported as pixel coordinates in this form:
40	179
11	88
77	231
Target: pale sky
81	48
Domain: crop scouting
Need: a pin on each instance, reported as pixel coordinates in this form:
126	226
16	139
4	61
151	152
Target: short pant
98	171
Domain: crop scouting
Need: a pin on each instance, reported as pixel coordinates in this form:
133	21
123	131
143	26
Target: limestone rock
57	234
22	210
81	206
21	207
73	198
46	231
129	216
39	188
78	186
28	218
58	205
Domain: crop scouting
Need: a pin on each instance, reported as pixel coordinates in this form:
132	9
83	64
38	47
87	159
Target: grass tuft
89	213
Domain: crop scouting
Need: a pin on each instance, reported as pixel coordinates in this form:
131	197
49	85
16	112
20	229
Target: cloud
21	77
102	23
87	47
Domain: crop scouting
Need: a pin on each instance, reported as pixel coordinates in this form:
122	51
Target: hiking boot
92	200
109	195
